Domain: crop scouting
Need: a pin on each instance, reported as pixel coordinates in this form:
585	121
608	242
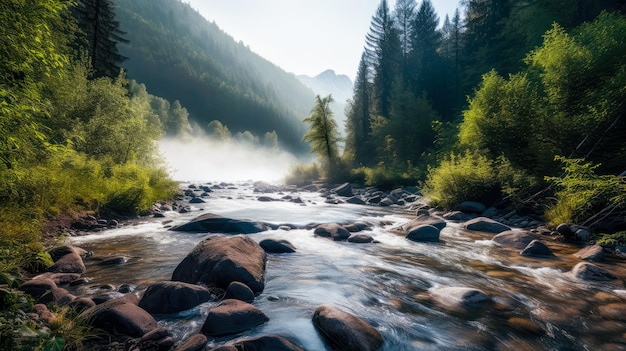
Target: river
537	305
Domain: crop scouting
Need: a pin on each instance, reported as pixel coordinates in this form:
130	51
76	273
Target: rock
471	207
172	297
344	190
196	342
355	200
220	260
388	201
460	296
582	234
423	233
537	248
360	239
67	259
38	287
239	291
424	220
232	317
277	246
484	224
514	239
113	260
120	317
345	331
565	230
212	223
264	343
590	272
265	199
197	200
591	253
60	278
489	212
456	216
332	230
81	304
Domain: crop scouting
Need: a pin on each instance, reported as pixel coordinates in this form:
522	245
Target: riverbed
537	304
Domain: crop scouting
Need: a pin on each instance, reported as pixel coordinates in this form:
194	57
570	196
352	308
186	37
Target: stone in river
212	223
345	331
232	317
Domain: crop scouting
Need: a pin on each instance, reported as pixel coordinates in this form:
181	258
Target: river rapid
538	306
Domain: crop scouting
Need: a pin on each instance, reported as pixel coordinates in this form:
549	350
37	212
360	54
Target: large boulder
37	288
537	249
67	259
239	291
220	260
345	331
333	231
196	342
424	233
172	297
264	343
514	239
590	272
120	317
232	317
484	224
424	220
212	223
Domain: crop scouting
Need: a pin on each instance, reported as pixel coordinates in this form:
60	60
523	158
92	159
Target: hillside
180	55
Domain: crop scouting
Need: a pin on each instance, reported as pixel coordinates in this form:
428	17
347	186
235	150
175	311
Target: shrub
303	174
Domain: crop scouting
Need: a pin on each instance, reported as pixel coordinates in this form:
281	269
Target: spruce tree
96	19
323	134
358	145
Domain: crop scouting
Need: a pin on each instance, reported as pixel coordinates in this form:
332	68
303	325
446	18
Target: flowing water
537	305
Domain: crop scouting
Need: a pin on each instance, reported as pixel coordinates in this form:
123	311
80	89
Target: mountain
328	82
179	55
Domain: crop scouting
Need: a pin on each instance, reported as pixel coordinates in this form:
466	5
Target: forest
509	103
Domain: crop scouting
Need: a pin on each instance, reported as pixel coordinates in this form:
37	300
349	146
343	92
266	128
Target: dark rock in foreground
590	272
591	253
232	317
513	238
196	342
120	317
212	223
537	249
172	297
220	260
264	343
424	233
333	231
239	291
344	331
277	246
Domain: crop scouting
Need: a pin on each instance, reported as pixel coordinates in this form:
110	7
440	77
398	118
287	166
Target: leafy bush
301	174
472	176
585	197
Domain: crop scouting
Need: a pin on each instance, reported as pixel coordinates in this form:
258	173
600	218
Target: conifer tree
358	117
323	134
96	18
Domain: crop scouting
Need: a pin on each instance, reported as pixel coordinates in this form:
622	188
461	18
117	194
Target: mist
205	159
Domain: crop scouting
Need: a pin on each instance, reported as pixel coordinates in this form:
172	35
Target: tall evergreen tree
358	118
424	58
323	134
96	18
383	49
404	14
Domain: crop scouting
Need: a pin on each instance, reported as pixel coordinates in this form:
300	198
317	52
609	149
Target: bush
472	177
587	198
303	174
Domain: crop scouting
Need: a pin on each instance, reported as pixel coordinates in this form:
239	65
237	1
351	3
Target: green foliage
585	197
219	131
323	134
383	177
303	174
612	240
472	176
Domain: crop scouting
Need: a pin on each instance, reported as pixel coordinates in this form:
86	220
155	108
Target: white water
383	283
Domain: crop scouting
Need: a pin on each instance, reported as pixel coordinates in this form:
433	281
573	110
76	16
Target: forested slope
179	55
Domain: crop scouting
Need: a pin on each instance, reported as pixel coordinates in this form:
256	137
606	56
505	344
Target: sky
303	36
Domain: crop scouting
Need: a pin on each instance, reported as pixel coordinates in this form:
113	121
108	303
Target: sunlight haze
303	37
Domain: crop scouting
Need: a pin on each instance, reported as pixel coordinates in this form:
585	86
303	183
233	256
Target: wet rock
344	190
212	223
197	200
232	317
220	260
388	201
591	253
120	317
113	260
457	216
196	342
60	278
38	287
360	239
333	231
525	326
424	220
172	297
67	259
471	207
484	224
591	272
264	343
582	234
356	200
424	233
239	291
345	331
277	246
81	304
356	227
265	199
460	297
514	239
538	249
489	212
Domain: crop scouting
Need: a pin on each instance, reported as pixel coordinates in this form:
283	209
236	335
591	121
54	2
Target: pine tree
424	58
383	50
96	18
358	118
323	134
404	14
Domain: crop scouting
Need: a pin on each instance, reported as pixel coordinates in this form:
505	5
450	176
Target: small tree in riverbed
323	134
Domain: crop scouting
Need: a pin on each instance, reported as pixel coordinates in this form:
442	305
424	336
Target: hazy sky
303	36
